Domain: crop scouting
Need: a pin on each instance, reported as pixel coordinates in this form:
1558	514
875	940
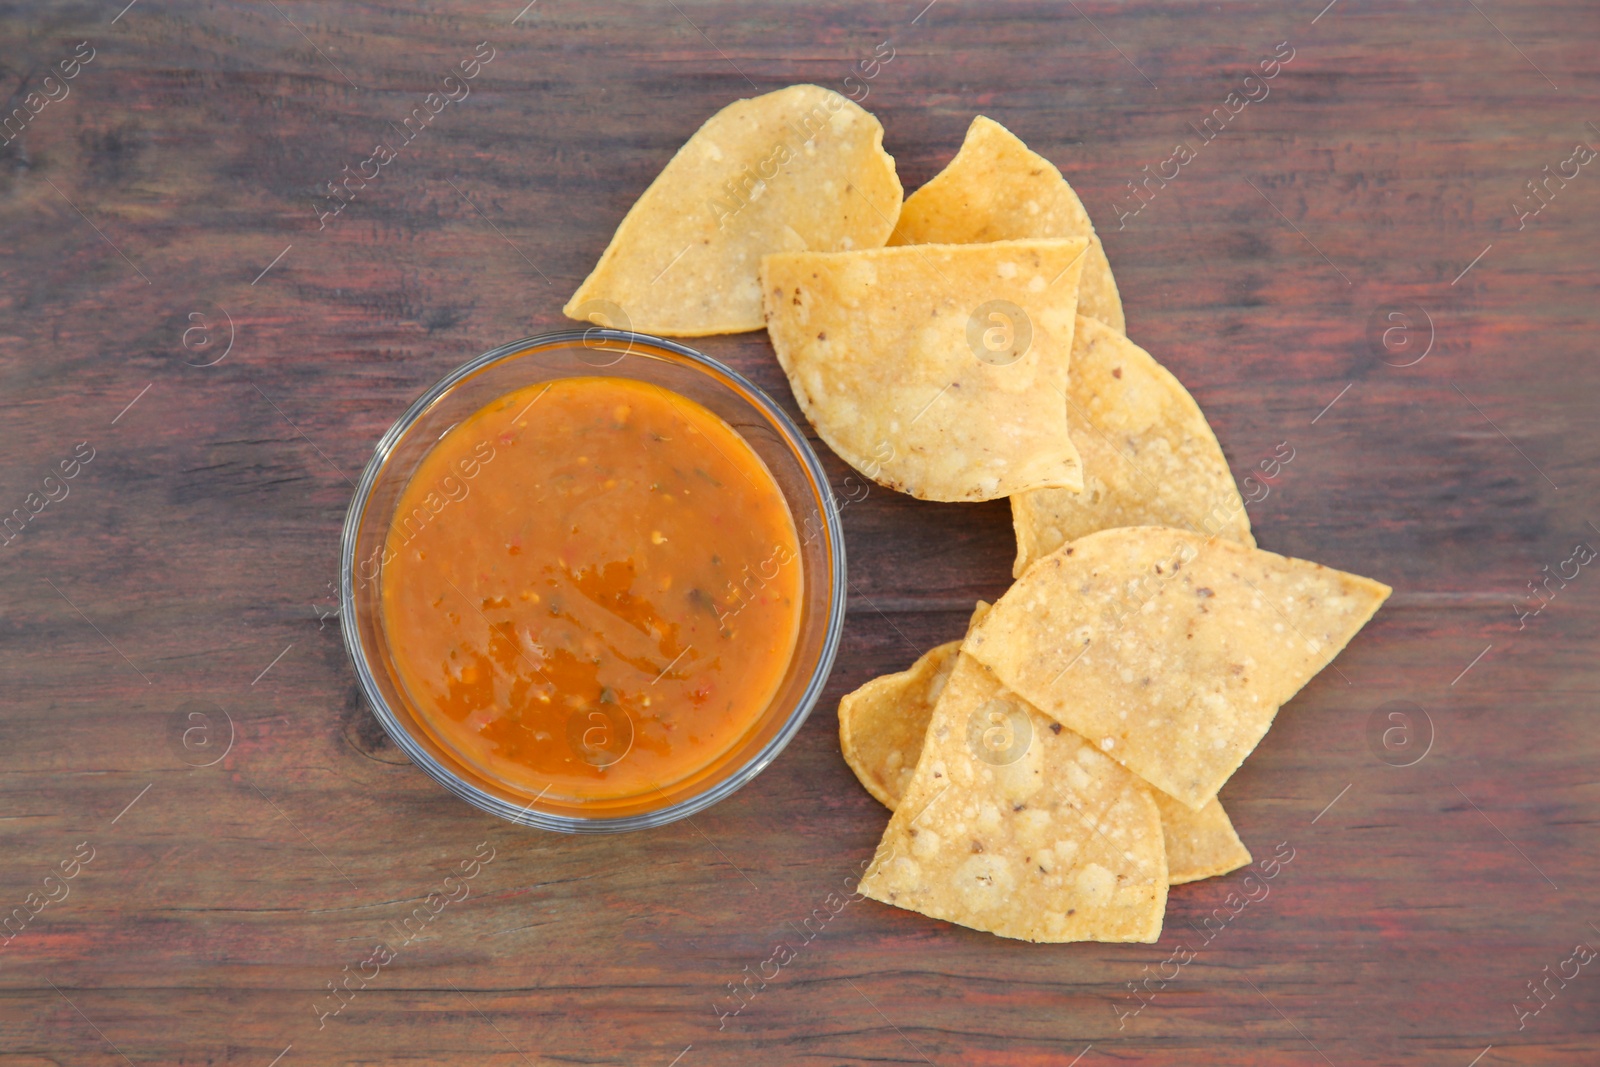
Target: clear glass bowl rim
526	815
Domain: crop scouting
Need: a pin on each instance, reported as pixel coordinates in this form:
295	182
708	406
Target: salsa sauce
592	588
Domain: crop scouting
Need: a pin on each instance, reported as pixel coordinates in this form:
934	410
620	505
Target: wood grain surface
166	205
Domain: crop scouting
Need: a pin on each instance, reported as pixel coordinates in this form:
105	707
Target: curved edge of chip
1099	296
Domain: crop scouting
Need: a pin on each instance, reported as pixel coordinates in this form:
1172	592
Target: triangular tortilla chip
997	189
1169	651
881	725
936	370
1020	829
1200	844
800	168
1149	457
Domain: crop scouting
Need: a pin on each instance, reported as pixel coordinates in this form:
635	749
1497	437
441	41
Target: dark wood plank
195	550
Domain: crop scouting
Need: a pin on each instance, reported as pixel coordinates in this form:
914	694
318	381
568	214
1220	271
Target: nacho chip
801	168
1170	652
936	370
997	189
1019	829
1200	844
1149	457
881	725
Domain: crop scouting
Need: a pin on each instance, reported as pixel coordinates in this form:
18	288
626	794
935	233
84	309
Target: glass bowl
614	353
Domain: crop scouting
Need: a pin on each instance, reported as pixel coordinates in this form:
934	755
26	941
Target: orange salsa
592	589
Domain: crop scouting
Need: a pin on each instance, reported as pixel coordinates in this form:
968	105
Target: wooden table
166	208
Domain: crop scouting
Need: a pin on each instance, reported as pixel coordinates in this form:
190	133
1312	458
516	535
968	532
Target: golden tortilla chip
1200	844
997	189
1017	827
1149	457
881	725
801	168
936	370
1170	652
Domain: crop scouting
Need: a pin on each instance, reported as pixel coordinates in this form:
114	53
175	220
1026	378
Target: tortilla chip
881	725
997	189
1019	829
1149	457
1170	652
936	370
801	168
1200	844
